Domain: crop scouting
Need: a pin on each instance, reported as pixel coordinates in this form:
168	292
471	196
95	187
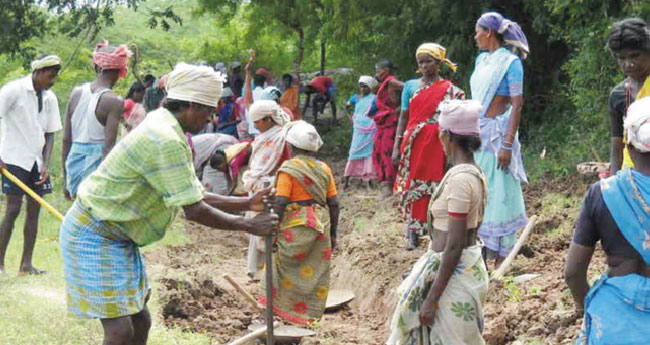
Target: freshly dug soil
371	260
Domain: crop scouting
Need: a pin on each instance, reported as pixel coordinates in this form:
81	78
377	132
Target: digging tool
498	274
33	194
268	250
250	299
252	336
268	241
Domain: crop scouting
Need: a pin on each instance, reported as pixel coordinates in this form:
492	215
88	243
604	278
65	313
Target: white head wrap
368	81
303	135
637	124
46	61
460	116
227	92
264	108
206	144
198	84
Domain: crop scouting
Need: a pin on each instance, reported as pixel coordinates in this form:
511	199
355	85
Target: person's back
86	128
93	116
615	214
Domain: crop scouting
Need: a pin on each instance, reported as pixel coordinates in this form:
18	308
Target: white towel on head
264	108
45	61
637	124
197	84
303	135
369	81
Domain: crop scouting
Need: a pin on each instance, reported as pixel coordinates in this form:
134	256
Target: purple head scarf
511	31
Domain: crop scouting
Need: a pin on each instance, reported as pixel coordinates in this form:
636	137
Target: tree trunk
322	57
301	52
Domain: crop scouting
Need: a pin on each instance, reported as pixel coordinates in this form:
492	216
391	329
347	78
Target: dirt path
371	261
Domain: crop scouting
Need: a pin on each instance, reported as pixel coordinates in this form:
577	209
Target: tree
23	20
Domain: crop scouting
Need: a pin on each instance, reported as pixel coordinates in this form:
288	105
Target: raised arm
248	90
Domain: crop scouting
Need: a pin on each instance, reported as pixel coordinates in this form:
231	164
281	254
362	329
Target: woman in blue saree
616	213
497	82
360	157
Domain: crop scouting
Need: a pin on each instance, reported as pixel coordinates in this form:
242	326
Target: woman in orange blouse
305	188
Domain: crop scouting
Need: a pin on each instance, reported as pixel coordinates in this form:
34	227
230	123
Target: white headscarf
46	61
264	108
303	135
198	84
206	144
637	124
368	81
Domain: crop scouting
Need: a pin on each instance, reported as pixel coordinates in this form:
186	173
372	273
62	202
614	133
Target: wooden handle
31	193
498	274
248	297
251	336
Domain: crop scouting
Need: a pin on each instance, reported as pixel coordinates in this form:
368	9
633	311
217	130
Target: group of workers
455	165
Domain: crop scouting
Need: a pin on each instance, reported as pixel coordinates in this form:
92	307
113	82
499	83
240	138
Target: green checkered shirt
144	180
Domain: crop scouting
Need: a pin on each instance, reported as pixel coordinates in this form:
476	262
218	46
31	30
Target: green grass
33	309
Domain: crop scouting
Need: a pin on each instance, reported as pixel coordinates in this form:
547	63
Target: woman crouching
441	301
301	265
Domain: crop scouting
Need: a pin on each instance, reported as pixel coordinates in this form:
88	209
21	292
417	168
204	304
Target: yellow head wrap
45	61
437	52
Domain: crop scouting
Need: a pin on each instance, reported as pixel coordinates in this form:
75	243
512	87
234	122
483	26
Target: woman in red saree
388	98
417	146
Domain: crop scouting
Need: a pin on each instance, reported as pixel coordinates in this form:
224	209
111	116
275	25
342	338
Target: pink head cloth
262	71
460	116
116	59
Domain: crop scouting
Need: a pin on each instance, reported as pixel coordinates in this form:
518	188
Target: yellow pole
31	193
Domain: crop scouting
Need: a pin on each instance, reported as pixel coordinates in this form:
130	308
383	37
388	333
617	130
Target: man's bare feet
2	270
30	270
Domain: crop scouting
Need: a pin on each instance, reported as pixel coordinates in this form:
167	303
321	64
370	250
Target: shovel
33	194
268	241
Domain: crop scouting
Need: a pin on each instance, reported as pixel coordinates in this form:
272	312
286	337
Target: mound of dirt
200	307
371	261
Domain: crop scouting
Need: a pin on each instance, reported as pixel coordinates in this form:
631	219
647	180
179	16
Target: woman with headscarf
497	82
305	188
363	134
386	118
417	145
269	152
615	212
205	146
441	300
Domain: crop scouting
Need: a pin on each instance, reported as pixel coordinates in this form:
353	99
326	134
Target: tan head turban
198	84
46	61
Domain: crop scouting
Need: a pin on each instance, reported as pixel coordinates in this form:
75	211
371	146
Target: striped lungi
104	271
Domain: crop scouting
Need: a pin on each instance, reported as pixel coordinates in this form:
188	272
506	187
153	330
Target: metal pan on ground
285	334
337	298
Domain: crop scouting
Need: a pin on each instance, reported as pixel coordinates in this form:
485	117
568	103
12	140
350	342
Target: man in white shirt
29	116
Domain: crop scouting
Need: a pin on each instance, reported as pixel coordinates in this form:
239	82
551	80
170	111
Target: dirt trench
371	261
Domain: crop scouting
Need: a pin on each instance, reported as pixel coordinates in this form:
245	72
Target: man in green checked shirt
131	199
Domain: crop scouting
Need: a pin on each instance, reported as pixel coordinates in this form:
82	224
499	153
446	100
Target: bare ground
370	261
